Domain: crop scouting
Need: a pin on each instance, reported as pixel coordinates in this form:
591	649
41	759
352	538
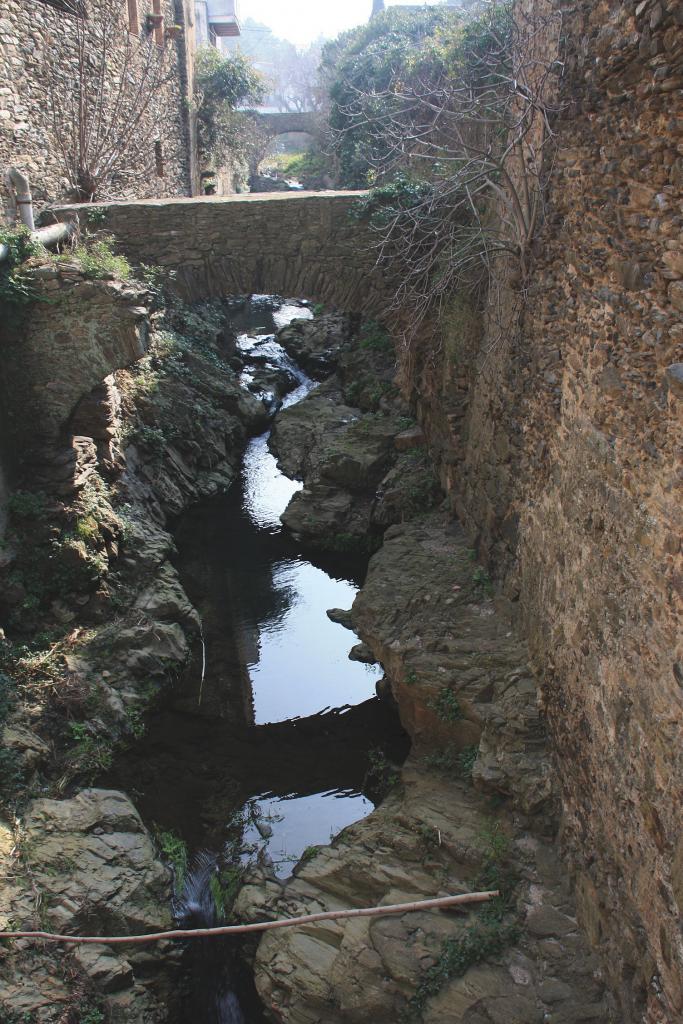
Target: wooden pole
260	926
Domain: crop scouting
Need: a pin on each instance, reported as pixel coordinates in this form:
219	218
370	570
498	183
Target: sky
302	21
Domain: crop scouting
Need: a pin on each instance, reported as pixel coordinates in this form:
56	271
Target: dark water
272	744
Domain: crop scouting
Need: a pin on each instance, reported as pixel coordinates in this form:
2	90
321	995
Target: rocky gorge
475	805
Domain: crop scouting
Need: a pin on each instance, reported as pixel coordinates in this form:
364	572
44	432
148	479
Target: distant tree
291	72
358	69
223	83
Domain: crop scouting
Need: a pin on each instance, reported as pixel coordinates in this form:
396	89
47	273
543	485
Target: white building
214	19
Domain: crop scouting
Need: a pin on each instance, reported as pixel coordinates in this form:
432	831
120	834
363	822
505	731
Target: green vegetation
419	486
135	722
225	885
11	774
452	762
156	280
61	549
174	849
8	1016
466	760
482	581
91	1016
97	258
308	167
150	438
367	60
401	195
308	854
492	929
27	505
371	73
95	254
475	943
373	336
446	705
223	83
381	775
16	284
91	753
95	217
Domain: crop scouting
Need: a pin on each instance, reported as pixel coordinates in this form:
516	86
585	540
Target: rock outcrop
93	869
361	457
90	559
471	809
317	344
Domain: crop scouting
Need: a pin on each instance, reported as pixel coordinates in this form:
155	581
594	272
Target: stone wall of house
559	439
38	58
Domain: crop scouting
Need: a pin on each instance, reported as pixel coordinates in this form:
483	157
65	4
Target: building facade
214	20
96	99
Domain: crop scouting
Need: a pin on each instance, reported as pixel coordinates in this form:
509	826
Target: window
159	158
133	17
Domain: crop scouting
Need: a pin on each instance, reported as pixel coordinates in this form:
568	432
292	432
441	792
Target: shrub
174	849
446	706
98	259
16	284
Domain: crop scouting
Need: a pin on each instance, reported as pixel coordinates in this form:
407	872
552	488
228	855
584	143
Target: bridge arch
273	125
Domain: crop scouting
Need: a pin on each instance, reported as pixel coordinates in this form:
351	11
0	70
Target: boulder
96	868
317	344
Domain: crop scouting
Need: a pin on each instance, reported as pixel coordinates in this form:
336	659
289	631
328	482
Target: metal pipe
54	233
22	196
48	236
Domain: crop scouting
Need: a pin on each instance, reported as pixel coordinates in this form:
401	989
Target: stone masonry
560	444
304	244
34	36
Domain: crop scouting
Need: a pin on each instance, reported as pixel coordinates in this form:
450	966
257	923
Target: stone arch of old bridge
272	125
303	244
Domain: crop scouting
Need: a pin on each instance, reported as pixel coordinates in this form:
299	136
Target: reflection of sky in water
302	664
305	821
303	661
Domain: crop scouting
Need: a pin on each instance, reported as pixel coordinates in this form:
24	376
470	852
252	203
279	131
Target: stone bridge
273	125
299	244
281	124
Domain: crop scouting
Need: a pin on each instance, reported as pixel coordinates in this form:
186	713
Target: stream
266	753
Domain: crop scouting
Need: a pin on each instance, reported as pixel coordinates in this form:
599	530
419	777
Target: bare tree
461	146
107	94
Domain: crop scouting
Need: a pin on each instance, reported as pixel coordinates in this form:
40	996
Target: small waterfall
211	960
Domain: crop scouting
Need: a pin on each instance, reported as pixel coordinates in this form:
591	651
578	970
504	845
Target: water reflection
273	656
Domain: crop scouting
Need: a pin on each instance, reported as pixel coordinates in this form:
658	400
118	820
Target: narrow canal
263	748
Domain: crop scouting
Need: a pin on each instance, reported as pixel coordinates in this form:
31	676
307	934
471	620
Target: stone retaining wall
560	447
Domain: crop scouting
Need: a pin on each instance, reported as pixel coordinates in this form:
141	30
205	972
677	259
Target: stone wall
299	244
559	443
38	56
